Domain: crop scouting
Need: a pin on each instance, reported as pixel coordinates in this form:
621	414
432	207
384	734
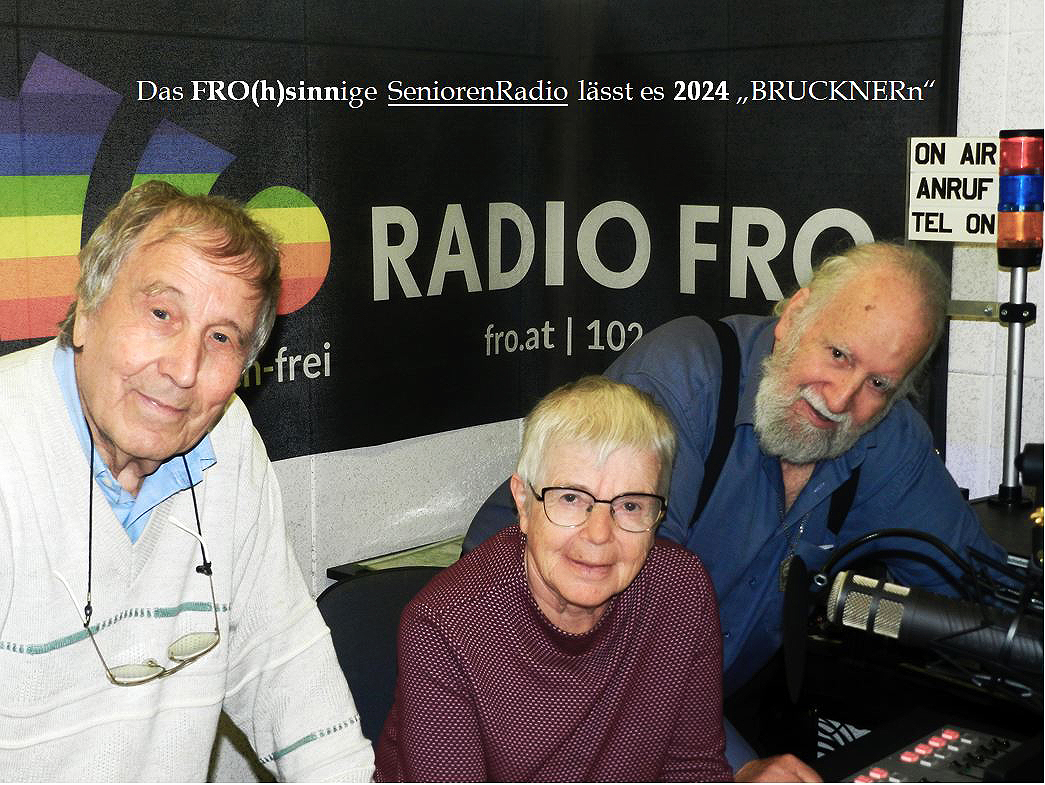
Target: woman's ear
521	495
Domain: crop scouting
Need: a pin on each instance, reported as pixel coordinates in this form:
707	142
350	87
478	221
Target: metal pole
1014	385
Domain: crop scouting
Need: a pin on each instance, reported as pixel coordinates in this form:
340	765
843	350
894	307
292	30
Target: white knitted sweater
274	671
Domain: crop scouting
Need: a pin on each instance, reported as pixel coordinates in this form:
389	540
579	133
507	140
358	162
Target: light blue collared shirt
132	512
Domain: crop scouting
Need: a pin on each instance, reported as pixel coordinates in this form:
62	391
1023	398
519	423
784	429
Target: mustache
820	407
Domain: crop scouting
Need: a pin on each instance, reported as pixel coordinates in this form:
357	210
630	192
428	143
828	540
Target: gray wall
1001	87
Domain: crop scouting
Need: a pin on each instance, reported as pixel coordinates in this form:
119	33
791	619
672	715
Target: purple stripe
174	150
47	75
57	112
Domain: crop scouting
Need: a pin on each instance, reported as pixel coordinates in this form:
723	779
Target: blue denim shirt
742	535
131	511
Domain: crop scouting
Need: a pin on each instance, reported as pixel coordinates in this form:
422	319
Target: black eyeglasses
186	649
570	507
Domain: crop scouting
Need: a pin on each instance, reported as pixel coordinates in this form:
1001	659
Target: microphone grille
857	609
858	596
832	597
887	620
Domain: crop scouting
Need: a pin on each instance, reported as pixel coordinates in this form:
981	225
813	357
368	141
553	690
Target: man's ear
798	301
521	495
79	325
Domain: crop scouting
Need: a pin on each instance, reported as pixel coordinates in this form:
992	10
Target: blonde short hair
602	414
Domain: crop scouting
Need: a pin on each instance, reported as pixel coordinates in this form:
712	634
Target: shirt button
725	634
752	582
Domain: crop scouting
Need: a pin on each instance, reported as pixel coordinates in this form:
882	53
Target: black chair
363	615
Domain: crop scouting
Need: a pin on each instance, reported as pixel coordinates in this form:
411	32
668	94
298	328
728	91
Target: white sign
953	190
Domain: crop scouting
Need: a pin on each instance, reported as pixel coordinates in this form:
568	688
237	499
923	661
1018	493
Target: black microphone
916	617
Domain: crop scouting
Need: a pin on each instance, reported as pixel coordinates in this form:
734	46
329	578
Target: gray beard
790	437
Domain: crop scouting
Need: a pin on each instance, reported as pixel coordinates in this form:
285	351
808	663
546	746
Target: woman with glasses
572	646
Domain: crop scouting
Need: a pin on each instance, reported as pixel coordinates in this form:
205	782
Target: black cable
1008	570
845	550
203	569
87	609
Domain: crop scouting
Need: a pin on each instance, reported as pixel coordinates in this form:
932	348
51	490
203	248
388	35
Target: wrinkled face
831	380
163	352
574	572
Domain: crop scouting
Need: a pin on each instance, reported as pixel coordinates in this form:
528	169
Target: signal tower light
1020	198
1019	247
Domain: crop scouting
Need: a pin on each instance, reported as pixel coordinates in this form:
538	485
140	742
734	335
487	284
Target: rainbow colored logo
49	139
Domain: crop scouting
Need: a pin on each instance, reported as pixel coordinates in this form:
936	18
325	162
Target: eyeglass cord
87	610
202	569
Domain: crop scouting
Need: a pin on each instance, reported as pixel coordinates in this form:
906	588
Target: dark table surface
1006	526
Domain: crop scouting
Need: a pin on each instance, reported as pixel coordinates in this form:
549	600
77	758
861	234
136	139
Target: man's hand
779	768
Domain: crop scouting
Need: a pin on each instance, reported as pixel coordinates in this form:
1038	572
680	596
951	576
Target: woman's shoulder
677	573
475	580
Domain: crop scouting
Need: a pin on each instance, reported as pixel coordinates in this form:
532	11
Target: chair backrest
363	615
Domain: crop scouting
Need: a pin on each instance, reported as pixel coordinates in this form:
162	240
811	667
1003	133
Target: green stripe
165	613
299	743
40	194
280	196
309	738
190	183
130	613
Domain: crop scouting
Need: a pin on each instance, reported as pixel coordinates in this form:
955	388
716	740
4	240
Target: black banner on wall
479	202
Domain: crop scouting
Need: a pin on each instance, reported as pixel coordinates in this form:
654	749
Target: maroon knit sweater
489	689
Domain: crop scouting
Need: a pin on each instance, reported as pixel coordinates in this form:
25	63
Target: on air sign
953	189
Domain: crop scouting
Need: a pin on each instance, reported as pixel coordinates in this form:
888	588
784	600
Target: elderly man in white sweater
145	578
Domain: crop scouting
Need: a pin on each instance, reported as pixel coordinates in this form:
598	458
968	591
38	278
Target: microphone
916	617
